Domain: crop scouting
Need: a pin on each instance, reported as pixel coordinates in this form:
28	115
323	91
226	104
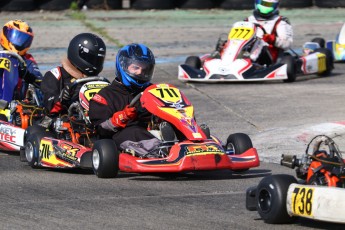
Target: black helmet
86	52
139	56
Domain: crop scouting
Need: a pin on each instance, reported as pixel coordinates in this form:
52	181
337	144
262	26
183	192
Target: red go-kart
191	149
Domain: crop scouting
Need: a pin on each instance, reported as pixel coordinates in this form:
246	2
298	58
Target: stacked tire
18	5
196	4
296	3
104	4
330	4
152	4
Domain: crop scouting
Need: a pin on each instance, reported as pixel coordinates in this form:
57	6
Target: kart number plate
5	64
167	94
321	62
302	201
241	33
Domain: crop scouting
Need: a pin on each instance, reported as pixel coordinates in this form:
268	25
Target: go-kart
234	61
59	141
192	147
337	46
17	111
318	194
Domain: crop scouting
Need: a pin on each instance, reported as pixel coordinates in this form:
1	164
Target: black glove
65	94
22	71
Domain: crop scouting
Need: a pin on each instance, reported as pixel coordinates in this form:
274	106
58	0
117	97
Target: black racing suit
134	136
52	84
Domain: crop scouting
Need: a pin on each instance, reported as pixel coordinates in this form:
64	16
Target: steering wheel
73	85
261	27
135	100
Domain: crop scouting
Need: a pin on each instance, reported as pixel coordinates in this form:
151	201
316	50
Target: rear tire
320	41
3	117
193	61
271	197
105	159
291	68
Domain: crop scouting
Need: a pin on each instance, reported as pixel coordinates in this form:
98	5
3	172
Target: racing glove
65	94
269	38
121	118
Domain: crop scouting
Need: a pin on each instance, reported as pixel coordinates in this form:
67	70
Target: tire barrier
196	4
237	4
54	5
296	3
101	4
152	4
330	4
18	5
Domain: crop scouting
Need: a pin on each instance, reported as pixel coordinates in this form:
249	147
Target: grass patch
80	16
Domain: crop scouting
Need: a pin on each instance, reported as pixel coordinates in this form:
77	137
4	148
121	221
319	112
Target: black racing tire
195	4
153	4
330	4
296	3
238	143
329	61
32	147
18	5
54	5
105	159
104	4
271	194
193	61
237	4
3	117
32	130
291	67
320	41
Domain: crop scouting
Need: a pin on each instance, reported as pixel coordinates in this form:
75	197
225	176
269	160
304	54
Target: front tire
238	143
105	159
271	197
291	68
32	147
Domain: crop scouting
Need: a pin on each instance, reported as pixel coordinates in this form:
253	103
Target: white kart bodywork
316	202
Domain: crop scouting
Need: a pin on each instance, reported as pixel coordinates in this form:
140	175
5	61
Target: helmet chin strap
73	71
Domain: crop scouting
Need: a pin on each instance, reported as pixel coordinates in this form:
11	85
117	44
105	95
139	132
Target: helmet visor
266	7
141	71
19	39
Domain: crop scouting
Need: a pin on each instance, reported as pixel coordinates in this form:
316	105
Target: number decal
241	33
5	64
167	94
302	201
45	151
321	62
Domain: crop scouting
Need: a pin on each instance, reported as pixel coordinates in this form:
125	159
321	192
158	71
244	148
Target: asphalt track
279	117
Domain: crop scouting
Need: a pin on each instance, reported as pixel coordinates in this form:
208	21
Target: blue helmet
135	65
267	8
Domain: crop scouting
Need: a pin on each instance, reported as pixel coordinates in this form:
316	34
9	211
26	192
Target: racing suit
53	83
279	30
134	136
31	74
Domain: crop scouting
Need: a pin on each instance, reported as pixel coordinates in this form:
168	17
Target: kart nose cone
95	159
